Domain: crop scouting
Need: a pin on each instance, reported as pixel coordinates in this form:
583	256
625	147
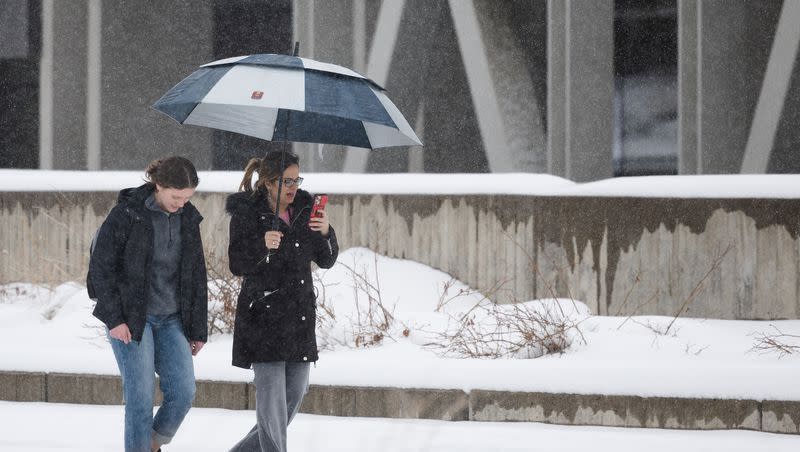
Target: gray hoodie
165	269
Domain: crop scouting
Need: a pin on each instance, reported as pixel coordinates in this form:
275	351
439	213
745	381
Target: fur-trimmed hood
244	201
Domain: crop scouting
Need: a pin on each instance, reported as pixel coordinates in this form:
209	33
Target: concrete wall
440	404
651	252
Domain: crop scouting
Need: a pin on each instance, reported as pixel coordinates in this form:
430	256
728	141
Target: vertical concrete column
94	85
46	88
409	36
303	26
689	94
359	36
511	83
556	87
303	31
587	95
333	42
774	90
416	159
69	88
146	49
735	40
333	32
377	65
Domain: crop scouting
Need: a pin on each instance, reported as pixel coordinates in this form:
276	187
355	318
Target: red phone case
319	204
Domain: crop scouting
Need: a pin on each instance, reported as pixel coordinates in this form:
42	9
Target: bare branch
627	295
699	286
779	342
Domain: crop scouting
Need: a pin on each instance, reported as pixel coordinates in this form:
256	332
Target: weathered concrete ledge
441	404
615	411
780	417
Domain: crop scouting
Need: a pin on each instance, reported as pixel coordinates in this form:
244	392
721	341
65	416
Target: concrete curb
616	410
440	404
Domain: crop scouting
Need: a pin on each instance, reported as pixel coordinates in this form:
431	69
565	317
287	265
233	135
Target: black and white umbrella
288	98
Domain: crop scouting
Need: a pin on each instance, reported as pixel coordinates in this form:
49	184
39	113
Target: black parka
121	259
276	307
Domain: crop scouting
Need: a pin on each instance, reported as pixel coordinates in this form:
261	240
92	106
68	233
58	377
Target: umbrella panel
181	100
265	87
292	62
334	95
285	125
256	122
312	127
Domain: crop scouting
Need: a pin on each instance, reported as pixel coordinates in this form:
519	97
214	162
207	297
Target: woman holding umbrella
274	331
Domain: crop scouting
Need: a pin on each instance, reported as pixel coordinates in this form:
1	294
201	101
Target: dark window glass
646	87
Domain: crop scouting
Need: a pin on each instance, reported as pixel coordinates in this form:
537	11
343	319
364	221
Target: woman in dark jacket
274	331
148	276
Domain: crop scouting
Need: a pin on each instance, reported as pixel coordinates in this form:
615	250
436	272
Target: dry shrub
776	342
518	330
373	321
326	316
11	290
368	321
223	289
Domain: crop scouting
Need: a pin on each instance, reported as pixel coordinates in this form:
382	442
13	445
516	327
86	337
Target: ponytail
247	181
268	168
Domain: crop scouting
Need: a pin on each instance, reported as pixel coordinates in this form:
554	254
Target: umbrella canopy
288	98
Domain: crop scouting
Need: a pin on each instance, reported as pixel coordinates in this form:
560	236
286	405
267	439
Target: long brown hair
268	168
172	172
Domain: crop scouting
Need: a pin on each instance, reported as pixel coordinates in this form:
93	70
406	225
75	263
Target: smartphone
319	205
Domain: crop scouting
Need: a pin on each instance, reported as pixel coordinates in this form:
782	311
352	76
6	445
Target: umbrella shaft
275	225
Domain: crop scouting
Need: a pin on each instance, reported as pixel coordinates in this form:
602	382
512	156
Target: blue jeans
164	350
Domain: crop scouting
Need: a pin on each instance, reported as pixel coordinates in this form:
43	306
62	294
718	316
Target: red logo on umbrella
257	95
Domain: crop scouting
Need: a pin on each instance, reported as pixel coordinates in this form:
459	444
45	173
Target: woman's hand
196	347
320	224
121	333
273	239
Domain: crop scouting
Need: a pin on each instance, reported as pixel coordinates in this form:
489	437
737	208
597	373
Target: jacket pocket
266	314
261	299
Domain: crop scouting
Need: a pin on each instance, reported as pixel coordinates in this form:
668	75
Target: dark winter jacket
120	263
276	308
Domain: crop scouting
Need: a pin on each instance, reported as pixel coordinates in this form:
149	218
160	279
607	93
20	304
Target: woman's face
291	182
172	199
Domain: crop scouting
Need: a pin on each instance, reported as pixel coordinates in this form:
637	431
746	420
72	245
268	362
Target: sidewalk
452	405
703	375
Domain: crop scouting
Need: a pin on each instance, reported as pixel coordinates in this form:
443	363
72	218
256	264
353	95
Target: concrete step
441	404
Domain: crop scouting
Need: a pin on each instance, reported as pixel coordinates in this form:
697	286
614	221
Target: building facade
584	89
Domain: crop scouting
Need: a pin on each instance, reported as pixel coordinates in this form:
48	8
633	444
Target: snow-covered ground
703	186
53	331
50	427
